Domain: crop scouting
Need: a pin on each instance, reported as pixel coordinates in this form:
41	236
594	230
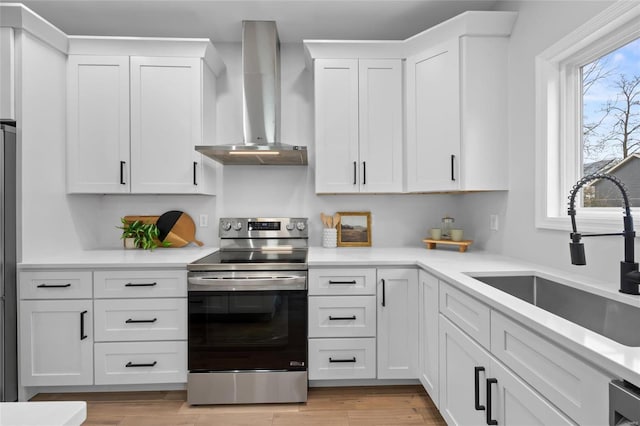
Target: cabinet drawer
333	316
125	284
574	387
140	363
327	282
55	285
140	319
342	359
472	316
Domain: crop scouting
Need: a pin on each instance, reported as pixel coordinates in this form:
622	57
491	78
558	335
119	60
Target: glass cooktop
222	260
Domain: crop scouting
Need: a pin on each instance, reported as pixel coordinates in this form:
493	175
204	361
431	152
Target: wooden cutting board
175	226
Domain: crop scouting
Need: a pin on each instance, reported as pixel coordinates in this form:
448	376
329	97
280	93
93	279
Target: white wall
539	25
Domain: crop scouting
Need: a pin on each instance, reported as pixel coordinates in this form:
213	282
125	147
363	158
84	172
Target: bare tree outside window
611	124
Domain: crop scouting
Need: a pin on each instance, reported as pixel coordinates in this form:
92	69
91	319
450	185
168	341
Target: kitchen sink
607	317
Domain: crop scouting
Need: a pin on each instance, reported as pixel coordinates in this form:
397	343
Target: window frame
558	119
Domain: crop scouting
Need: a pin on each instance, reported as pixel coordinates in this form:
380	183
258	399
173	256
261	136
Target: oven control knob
300	226
226	225
290	226
237	226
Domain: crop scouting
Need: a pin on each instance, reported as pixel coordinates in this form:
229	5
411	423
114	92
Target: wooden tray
462	245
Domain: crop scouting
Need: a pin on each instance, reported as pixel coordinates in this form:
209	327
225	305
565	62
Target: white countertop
53	413
449	265
617	360
117	258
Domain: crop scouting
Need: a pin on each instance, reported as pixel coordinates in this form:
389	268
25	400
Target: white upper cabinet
358	107
98	124
166	124
456	116
133	121
432	119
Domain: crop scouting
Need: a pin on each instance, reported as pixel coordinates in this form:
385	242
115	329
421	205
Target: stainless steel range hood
261	99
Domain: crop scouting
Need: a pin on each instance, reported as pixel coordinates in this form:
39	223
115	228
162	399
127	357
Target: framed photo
354	229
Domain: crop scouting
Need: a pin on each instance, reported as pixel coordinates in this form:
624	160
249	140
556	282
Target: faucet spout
629	275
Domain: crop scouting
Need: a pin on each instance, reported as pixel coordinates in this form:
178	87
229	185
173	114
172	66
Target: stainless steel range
248	314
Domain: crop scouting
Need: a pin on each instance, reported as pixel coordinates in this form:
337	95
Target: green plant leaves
145	235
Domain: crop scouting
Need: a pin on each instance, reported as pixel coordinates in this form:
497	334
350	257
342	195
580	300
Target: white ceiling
221	20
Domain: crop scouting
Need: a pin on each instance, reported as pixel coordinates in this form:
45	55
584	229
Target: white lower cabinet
140	362
428	334
397	323
477	389
56	342
82	327
353	358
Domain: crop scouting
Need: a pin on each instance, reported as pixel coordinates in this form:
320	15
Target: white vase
329	237
130	243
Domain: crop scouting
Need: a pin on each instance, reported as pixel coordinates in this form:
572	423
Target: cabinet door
433	119
56	342
336	124
459	357
98	124
166	124
515	403
381	123
428	334
397	323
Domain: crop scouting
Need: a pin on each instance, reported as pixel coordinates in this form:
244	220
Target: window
587	89
611	125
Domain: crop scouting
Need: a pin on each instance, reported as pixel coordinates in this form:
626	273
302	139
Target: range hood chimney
261	100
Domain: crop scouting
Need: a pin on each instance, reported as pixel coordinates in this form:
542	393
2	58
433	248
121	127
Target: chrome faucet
629	275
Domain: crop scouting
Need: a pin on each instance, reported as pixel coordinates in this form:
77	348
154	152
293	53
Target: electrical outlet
204	220
493	219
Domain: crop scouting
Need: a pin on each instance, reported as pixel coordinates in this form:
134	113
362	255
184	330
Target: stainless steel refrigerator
8	300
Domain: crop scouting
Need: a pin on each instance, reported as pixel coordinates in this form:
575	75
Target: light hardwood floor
348	406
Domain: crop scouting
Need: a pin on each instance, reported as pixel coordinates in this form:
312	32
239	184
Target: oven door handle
254	283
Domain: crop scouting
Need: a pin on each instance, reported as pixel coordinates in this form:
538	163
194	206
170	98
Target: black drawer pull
140	284
122	182
195	167
342	360
130	364
54	285
132	321
82	335
476	377
342	282
384	293
352	317
490	420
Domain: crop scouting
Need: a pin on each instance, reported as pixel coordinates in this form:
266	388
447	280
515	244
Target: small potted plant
138	234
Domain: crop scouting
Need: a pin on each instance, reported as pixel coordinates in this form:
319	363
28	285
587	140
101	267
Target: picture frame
354	229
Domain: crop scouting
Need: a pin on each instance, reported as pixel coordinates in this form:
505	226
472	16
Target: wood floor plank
338	406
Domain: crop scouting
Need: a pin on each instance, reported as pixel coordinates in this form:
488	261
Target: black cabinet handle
342	360
476	376
122	182
195	167
355	174
352	317
132	321
453	158
384	296
140	284
490	421
54	285
342	282
364	172
82	335
130	364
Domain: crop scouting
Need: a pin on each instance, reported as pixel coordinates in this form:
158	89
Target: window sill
588	222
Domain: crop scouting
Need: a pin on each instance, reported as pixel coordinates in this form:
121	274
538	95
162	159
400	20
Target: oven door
235	327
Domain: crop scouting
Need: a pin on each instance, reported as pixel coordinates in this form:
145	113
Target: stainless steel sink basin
616	320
